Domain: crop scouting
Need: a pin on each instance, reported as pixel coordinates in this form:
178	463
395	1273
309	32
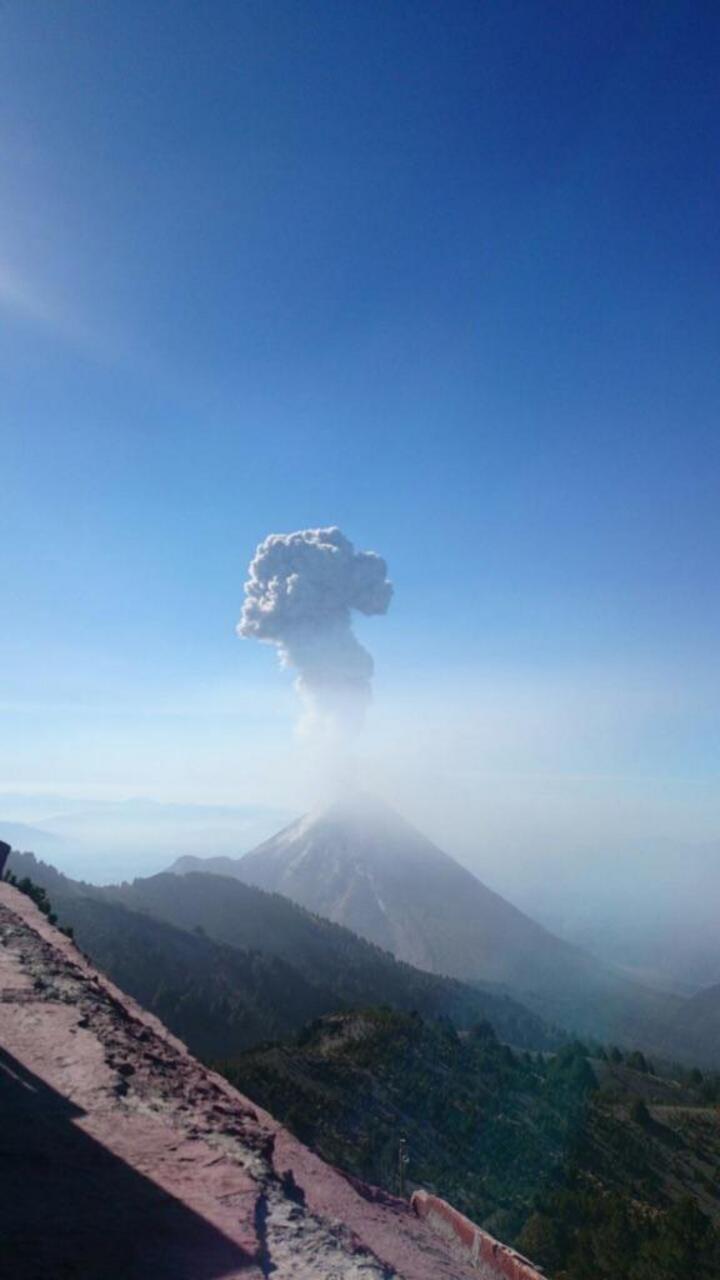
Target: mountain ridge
360	864
202	933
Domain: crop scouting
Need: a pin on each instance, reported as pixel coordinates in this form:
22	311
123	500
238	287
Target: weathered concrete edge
492	1260
356	1219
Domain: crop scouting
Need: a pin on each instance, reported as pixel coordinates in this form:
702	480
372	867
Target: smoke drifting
300	596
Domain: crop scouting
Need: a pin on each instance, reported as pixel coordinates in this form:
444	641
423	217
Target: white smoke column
300	596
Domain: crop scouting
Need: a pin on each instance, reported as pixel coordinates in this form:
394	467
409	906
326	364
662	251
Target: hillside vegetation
596	1169
227	966
586	1159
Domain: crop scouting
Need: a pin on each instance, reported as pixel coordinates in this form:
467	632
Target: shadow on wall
72	1210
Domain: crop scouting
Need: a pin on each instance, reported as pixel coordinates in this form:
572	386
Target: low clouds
300	597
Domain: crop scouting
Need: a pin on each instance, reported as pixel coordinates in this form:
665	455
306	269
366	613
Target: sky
444	275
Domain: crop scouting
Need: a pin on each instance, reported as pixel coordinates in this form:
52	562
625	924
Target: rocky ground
121	1156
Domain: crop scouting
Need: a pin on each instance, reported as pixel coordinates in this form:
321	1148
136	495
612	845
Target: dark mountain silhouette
219	865
217	999
227	965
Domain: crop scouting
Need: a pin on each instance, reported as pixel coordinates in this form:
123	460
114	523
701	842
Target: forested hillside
597	1169
226	965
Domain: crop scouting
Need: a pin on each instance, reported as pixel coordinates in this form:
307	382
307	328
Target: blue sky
443	274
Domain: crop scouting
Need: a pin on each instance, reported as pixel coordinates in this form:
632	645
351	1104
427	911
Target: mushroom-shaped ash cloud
302	590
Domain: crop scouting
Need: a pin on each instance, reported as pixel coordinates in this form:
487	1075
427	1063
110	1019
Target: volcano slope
360	864
122	1156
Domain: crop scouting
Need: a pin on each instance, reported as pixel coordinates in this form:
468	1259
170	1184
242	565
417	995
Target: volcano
362	865
359	864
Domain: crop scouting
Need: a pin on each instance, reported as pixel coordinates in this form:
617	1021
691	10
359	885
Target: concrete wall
491	1259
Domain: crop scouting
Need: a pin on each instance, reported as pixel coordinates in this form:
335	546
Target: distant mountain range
621	903
334	897
696	1026
360	864
113	840
23	836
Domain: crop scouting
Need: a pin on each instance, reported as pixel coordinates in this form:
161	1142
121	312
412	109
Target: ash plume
300	596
